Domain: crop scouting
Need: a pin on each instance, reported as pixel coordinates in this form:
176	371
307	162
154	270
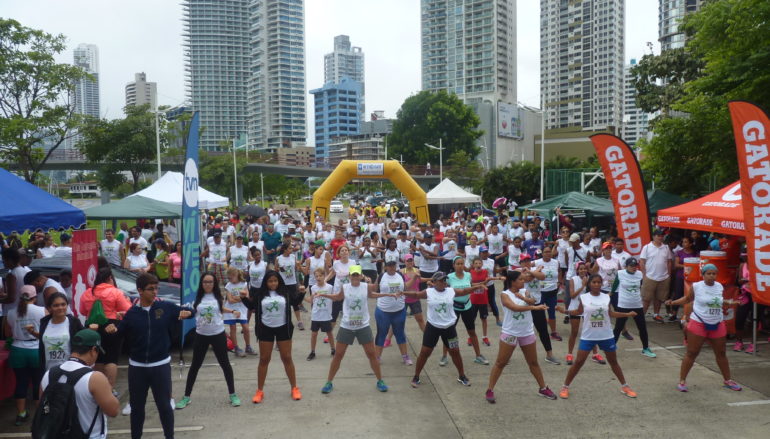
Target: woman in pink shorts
706	321
518	330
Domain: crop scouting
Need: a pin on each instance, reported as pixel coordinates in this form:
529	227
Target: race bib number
597	324
57	355
453	343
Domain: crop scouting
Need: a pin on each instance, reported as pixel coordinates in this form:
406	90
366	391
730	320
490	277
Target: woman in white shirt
210	330
288	266
706	322
518	330
390	313
627	288
136	260
48	250
596	310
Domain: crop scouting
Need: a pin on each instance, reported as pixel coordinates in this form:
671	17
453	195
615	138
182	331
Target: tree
36	106
518	181
464	170
127	144
427	117
660	79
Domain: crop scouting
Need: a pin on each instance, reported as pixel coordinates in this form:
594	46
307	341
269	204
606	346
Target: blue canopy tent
27	207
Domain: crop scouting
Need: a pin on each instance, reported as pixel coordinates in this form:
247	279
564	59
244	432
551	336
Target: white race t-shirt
21	337
287	266
514	253
208	316
322	306
551	272
257	273
355	312
441	313
390	284
217	253
111	251
608	269
707	304
56	342
629	289
239	257
574	303
495	244
517	323
341	274
273	310
596	317
429	265
235	290
471	253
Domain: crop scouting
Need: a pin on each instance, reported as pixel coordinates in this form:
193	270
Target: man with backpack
76	398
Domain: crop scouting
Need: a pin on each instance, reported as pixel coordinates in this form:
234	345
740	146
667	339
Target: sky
145	36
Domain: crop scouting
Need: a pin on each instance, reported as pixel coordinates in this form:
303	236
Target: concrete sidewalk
442	408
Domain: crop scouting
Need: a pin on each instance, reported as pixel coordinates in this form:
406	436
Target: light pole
157	137
235	175
440	149
543	115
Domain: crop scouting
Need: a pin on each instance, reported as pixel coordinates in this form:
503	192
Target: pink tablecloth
7	377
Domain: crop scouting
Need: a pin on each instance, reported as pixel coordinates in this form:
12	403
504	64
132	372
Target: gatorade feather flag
191	243
627	192
750	127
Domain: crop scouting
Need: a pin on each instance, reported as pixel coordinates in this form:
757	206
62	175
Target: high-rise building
86	92
670	15
469	48
337	113
346	62
635	121
245	62
141	92
276	88
581	62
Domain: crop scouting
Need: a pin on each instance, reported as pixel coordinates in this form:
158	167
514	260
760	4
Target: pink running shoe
738	346
749	348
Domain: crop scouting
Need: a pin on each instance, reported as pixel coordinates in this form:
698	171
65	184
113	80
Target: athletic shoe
311	356
490	396
547	393
552	360
301	326
470	343
556	336
20	419
462	379
408	361
682	387
296	394
658	318
443	361
239	352
749	348
381	386
182	403
327	388
566	320
570	358
127	410
647	352
598	359
386	344
258	397
250	350
481	360
672	318
326	339
564	392
626	390
235	401
627	336
415	383
485	340
334	351
738	346
732	385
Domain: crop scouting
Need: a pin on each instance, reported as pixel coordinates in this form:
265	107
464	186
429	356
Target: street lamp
440	149
543	114
157	136
235	174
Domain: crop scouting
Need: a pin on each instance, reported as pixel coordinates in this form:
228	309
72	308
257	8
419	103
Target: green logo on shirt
273	306
321	302
517	315
598	314
715	303
356	305
441	308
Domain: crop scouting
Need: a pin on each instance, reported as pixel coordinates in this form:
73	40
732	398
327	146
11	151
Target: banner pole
754	318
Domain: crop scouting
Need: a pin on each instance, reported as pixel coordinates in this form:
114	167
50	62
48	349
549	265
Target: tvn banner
750	127
626	186
191	242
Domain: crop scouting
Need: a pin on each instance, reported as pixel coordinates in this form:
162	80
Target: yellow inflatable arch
373	169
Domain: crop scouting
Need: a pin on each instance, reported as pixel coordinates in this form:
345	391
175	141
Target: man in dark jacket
147	326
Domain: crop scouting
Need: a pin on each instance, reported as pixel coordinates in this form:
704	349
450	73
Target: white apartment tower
581	62
86	92
141	92
245	66
635	121
670	15
346	60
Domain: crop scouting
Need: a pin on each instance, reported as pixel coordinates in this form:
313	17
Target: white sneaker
126	410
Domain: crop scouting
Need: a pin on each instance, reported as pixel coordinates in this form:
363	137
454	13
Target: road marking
125	366
740	404
112	432
683	347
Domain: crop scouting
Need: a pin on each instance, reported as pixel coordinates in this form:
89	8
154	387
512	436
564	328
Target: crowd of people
282	272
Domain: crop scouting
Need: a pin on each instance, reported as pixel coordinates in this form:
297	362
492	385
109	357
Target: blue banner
191	243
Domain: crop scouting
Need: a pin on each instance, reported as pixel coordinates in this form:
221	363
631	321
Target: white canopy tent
449	193
169	189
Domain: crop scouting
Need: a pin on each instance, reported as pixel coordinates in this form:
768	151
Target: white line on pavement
740	404
682	347
187	365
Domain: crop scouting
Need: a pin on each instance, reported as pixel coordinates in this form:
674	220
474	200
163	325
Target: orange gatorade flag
626	186
750	127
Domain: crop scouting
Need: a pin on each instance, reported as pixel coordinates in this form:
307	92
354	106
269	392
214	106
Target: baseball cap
408	256
606	245
574	237
355	269
631	262
28	292
320	242
483	249
439	275
525	257
88	337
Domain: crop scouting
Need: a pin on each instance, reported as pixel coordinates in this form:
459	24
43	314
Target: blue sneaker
381	386
648	353
327	388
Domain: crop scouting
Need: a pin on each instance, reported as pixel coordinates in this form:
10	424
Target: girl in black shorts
272	305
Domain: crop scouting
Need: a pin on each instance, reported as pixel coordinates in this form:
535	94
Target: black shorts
321	326
295	297
268	334
469	318
336	309
414	308
111	343
447	335
480	310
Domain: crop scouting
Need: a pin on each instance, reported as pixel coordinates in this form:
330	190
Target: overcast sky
145	36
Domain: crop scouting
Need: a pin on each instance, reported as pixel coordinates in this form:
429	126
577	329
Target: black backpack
57	413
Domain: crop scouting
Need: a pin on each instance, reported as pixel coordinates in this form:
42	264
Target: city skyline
393	64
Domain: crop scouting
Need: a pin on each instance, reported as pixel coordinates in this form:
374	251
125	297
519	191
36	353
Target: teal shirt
462	303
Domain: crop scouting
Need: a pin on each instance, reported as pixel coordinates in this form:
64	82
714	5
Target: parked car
336	206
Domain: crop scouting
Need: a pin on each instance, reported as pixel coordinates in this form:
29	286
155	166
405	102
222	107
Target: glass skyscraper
670	15
338	109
